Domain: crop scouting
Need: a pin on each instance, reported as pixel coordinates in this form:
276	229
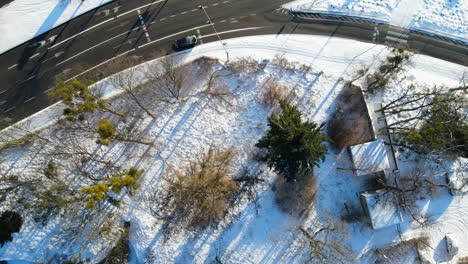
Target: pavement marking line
215	4
397	34
3	91
396	39
185	12
12	66
231	31
120	25
193	10
103	22
99	44
142	22
234	21
35	55
30	99
48	90
102	63
123	14
172	16
225	2
9	109
222	21
199	35
129	41
175	34
20	82
2	102
160	20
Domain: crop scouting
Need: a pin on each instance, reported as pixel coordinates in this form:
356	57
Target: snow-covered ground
22	20
181	131
439	17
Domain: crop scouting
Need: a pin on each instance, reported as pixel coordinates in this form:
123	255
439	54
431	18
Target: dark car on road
185	43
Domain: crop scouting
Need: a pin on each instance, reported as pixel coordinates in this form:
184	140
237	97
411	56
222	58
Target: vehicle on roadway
185	43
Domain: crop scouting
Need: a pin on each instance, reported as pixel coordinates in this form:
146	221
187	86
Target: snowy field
314	70
22	20
439	17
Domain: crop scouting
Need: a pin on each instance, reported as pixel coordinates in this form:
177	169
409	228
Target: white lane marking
56	55
215	4
193	10
175	34
123	14
199	35
241	17
222	21
102	63
396	39
79	33
129	41
185	12
12	66
160	20
397	34
48	90
9	109
119	25
172	16
35	55
2	102
142	22
97	25
225	2
230	31
2	92
30	99
253	14
88	49
233	21
19	82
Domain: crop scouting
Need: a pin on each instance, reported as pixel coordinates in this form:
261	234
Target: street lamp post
214	28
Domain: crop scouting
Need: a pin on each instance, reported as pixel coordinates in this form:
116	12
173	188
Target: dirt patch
350	123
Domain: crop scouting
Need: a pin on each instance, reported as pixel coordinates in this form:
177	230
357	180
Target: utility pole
216	32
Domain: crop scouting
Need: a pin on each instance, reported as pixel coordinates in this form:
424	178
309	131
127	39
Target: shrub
295	197
106	131
273	93
10	222
294	147
201	193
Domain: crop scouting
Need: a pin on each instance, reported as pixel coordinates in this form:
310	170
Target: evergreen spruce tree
294	147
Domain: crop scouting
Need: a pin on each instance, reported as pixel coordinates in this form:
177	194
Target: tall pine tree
294	147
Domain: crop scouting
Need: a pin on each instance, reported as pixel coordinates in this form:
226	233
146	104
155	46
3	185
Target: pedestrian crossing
327	17
397	36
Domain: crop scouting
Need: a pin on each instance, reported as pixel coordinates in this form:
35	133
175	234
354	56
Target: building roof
369	157
382	208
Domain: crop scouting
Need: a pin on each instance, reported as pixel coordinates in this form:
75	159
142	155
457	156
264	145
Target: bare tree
168	79
322	241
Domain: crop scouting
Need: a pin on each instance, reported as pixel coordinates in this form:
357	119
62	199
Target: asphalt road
142	27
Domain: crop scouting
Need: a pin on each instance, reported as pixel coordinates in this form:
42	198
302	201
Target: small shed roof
369	157
382	208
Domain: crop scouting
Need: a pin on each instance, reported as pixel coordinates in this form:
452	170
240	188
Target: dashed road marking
199	35
222	21
172	16
215	4
20	82
48	90
142	22
175	34
3	91
230	31
160	20
30	99
88	49
193	10
102	23
2	102
234	21
185	12
56	55
9	109
119	25
35	55
12	66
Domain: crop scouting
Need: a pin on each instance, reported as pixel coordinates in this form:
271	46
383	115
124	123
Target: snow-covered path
22	20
